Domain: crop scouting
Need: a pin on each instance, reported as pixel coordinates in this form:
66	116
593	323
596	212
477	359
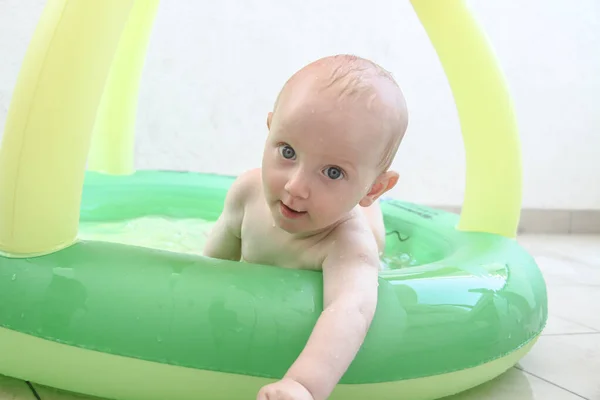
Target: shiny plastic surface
112	149
480	296
492	200
105	376
50	121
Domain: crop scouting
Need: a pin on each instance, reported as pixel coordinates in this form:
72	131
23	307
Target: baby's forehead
333	137
331	117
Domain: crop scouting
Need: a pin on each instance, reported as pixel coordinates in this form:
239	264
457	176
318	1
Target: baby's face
320	160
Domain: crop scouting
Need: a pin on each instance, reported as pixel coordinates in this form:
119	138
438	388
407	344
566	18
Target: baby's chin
304	229
293	226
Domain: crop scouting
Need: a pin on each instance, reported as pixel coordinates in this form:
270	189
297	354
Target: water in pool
184	236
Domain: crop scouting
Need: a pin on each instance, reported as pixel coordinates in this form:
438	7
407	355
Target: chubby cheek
331	204
273	180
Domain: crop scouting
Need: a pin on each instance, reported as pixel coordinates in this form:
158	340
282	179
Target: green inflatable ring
129	322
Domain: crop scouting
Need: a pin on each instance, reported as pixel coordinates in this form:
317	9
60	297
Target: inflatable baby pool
133	322
459	300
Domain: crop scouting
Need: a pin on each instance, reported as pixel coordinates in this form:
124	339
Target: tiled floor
563	365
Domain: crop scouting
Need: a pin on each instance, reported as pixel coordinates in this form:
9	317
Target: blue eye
287	152
334	173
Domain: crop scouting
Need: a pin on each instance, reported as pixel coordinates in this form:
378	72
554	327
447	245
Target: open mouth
290	212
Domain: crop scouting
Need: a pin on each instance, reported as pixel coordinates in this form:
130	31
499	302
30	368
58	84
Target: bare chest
264	243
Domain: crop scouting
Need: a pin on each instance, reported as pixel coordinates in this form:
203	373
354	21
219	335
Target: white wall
214	68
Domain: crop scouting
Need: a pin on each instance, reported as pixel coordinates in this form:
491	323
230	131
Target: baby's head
333	134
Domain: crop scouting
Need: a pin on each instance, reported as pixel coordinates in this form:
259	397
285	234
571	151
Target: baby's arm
224	240
350	274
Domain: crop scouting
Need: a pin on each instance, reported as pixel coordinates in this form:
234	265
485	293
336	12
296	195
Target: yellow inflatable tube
50	121
492	200
113	140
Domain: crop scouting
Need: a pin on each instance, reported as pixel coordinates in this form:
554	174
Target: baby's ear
269	118
383	183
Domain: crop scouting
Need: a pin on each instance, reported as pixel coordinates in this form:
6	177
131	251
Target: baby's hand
285	389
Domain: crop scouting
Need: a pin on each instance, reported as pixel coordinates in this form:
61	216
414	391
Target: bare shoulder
351	265
353	241
244	186
241	192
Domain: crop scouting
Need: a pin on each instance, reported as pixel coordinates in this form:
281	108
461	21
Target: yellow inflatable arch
78	87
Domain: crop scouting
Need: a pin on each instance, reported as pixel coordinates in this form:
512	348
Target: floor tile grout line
578	323
550	382
571	333
35	393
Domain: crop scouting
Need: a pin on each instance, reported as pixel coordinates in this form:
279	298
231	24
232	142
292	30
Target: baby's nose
297	186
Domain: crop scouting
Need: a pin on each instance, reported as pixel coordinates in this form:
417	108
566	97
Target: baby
333	133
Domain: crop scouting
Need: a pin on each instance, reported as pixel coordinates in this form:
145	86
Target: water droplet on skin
14	277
